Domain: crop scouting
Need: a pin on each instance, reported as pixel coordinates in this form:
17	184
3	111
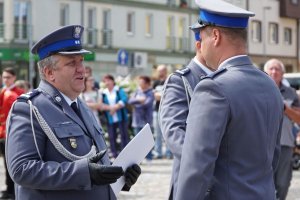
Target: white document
134	153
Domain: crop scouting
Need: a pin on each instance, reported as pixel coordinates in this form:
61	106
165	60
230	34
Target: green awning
18	54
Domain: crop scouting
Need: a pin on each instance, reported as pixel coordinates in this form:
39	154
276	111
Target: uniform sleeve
206	125
173	113
25	166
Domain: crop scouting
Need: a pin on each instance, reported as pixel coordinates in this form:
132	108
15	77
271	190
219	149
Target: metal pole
264	32
82	12
30	42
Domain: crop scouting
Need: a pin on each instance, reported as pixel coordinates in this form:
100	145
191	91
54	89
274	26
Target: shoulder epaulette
183	71
29	95
215	73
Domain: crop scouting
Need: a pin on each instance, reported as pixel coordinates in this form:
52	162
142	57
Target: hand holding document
135	151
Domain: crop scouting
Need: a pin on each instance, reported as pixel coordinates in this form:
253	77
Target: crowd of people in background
122	114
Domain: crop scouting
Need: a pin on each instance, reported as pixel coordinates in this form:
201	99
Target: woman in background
114	101
91	96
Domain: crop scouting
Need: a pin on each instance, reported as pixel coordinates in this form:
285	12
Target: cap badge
77	32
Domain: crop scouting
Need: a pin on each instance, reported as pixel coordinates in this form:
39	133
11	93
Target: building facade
134	36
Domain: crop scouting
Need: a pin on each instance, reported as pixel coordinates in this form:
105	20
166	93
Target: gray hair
49	62
274	60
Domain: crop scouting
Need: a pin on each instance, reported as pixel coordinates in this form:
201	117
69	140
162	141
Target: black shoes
6	195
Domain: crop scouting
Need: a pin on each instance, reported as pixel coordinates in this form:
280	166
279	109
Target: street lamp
264	31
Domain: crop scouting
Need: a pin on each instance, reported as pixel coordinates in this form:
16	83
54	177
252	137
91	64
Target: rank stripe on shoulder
183	71
214	74
29	95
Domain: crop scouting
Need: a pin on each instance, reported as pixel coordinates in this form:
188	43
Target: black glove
103	174
131	175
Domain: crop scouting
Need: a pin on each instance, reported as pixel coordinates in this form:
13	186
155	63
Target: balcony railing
106	38
1	30
170	43
183	44
21	32
92	37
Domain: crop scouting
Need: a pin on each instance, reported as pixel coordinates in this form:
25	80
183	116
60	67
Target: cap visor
82	51
196	26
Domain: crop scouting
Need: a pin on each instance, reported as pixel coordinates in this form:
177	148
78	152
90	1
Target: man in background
8	95
158	84
283	173
88	73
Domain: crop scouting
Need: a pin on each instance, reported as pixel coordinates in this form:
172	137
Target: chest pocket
72	137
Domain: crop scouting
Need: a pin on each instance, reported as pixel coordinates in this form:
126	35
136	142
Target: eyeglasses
6	77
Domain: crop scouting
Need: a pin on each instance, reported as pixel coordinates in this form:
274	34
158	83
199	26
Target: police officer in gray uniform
231	145
174	106
53	138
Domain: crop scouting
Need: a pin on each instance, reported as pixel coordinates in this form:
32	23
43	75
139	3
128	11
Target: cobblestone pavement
154	182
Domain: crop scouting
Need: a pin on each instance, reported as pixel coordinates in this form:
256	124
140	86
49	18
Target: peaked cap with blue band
223	14
66	41
196	29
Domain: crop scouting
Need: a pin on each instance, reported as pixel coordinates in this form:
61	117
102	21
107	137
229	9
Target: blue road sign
123	57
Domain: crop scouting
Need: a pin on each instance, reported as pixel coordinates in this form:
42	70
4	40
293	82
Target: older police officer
174	105
231	145
53	138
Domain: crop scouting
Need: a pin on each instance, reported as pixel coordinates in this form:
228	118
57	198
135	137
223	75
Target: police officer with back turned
231	146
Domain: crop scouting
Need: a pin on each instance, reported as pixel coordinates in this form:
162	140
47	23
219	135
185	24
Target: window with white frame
149	25
20	21
130	23
183	41
1	12
64	14
288	36
91	30
273	33
295	2
170	39
1	20
256	31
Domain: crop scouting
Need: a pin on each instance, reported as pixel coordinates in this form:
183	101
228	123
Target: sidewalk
154	182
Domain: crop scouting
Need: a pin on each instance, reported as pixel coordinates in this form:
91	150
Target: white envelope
134	153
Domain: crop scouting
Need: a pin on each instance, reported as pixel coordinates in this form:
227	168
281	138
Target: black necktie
76	110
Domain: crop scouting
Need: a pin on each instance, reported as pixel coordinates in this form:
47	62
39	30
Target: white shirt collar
10	87
68	100
228	59
204	68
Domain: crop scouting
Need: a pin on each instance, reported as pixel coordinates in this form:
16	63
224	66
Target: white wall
272	15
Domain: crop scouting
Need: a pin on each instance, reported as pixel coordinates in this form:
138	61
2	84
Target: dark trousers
283	173
9	182
136	131
113	130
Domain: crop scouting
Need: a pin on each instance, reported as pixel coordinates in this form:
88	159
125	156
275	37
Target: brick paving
154	182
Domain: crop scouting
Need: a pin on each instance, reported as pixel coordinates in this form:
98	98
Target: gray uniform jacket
234	137
173	112
53	177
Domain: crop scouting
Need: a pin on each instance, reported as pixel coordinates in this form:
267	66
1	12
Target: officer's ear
49	73
217	36
198	45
